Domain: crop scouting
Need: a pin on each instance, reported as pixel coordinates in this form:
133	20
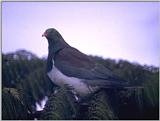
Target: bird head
54	38
51	34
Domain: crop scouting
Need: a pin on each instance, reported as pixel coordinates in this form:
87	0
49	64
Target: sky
116	30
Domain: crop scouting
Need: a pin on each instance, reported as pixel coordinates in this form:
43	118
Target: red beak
44	34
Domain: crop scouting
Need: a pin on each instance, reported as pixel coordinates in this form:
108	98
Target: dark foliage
24	83
12	105
61	105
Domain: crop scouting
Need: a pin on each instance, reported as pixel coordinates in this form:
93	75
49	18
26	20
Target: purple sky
117	30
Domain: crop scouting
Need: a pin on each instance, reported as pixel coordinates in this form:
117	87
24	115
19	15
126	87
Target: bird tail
122	84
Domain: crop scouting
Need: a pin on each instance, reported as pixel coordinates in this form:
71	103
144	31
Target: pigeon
66	65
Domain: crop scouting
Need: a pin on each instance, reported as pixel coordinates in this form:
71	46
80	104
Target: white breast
60	79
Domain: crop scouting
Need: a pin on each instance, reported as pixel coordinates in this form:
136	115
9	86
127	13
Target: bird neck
57	45
53	48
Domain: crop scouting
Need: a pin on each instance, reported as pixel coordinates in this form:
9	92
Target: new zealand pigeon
68	66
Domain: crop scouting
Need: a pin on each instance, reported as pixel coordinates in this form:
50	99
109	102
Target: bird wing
73	63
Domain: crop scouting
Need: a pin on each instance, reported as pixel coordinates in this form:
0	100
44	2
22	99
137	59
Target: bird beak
44	34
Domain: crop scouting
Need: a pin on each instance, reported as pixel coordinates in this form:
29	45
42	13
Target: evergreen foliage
99	108
12	105
60	106
24	83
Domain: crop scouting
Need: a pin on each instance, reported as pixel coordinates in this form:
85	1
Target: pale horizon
115	30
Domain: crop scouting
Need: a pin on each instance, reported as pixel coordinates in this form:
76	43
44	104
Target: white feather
77	84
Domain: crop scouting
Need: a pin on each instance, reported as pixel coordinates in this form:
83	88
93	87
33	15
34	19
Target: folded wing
73	63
